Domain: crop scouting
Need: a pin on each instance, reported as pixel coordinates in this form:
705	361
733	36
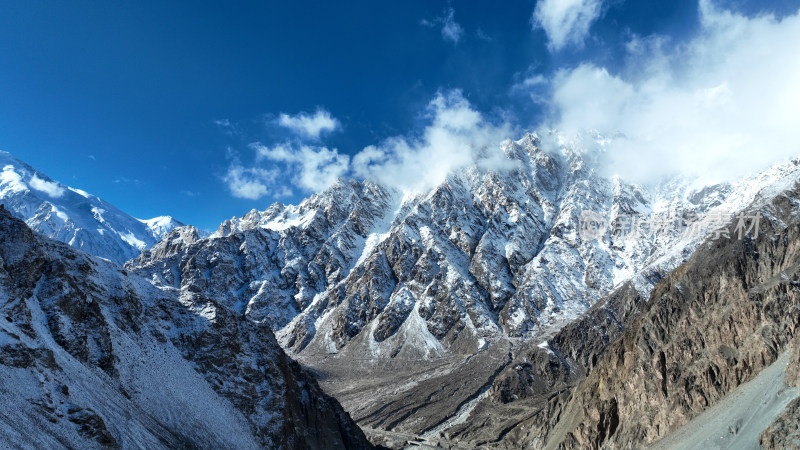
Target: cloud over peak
456	136
50	188
720	105
312	168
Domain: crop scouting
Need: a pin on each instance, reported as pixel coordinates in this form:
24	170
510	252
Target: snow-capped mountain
501	286
75	217
367	270
94	357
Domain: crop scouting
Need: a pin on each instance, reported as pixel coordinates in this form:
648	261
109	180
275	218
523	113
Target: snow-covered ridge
488	253
74	216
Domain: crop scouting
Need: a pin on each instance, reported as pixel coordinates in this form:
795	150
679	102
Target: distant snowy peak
336	203
74	216
161	225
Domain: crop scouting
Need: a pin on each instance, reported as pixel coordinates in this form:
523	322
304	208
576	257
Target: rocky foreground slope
75	217
785	430
93	357
713	324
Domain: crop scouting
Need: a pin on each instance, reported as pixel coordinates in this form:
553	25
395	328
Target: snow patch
132	240
160	225
80	192
290	219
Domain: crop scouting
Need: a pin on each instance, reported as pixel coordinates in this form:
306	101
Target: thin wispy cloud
125	180
482	35
534	85
566	22
296	162
309	125
227	127
450	29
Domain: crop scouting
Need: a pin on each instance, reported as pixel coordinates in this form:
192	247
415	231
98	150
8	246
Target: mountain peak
74	216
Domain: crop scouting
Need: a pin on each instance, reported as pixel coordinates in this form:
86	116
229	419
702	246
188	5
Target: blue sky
206	110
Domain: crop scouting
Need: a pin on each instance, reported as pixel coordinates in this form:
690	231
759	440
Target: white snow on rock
489	253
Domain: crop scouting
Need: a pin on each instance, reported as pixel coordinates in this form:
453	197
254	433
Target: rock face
487	279
75	217
711	325
95	357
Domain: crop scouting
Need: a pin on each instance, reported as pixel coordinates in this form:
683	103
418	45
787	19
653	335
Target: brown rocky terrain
785	431
710	326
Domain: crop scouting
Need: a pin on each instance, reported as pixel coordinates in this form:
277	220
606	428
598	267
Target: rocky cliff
713	324
95	357
491	252
487	279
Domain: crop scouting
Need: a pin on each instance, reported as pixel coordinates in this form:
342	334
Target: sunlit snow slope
73	216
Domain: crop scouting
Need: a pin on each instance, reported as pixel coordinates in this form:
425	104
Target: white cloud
566	22
308	125
248	182
50	188
457	136
534	85
451	30
722	105
316	168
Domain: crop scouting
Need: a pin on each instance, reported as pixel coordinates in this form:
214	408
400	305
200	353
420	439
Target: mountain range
538	303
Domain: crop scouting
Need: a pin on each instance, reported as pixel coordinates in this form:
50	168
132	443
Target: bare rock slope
715	323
